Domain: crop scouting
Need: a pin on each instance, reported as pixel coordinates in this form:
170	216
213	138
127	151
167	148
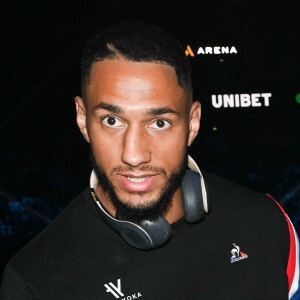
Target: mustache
124	169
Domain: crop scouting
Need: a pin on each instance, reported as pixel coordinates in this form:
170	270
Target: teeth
134	179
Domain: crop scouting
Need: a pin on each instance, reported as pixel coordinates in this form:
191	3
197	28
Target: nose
136	150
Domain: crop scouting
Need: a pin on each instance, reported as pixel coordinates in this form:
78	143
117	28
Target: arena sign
211	50
241	100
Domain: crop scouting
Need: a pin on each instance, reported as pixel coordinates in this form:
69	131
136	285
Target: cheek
106	149
170	149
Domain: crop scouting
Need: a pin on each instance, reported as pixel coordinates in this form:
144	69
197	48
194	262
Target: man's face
139	124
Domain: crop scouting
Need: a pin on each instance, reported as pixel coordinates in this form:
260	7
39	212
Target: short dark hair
140	42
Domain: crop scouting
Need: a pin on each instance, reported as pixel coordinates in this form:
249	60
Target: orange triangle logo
189	51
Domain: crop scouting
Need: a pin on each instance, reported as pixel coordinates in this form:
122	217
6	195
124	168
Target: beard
155	207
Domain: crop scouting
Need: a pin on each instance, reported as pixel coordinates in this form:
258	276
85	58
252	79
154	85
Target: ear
81	117
194	121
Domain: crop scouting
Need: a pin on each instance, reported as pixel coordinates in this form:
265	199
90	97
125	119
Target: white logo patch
116	291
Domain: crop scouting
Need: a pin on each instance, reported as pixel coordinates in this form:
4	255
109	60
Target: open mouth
137	184
136	179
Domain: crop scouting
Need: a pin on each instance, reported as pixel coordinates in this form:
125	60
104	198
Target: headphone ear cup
159	230
146	235
132	233
192	197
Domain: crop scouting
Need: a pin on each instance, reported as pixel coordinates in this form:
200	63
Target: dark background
44	160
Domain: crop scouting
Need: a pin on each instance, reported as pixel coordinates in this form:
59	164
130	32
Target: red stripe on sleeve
292	255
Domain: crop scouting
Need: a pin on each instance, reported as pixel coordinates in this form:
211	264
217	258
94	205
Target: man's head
137	114
139	42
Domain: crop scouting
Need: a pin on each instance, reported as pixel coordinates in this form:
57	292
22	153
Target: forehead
146	83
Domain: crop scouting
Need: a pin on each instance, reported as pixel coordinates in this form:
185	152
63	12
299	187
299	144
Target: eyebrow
161	111
155	111
110	107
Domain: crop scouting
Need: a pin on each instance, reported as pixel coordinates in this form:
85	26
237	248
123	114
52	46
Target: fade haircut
138	42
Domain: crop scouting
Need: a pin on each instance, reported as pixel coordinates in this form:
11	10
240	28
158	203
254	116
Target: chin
139	200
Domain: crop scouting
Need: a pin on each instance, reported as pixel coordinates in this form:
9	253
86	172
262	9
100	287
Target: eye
160	124
113	122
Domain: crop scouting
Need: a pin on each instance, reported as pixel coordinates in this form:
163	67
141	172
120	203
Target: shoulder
240	199
247	212
260	218
56	238
258	223
65	249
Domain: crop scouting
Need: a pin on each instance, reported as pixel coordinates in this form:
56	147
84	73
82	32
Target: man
113	241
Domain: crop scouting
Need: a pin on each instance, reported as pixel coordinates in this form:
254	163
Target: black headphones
151	234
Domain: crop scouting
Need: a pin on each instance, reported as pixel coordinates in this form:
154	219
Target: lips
137	184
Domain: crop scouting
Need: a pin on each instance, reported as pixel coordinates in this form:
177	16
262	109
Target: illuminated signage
211	50
241	100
